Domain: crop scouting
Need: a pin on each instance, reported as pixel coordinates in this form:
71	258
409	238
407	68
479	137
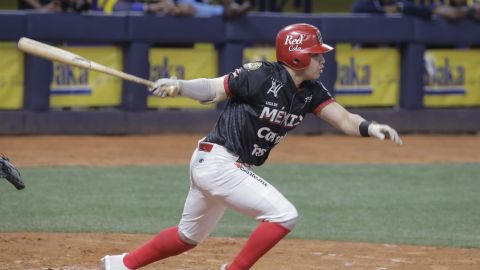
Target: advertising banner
183	63
368	77
452	78
11	77
78	87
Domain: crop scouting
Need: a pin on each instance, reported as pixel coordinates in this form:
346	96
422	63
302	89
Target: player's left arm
355	125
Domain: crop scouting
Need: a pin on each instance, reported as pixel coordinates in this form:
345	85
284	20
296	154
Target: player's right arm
353	124
204	90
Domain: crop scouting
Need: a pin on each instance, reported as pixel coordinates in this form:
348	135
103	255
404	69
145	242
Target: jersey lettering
280	117
252	174
268	135
257	151
273	104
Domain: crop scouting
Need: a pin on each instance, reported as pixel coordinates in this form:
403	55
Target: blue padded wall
12	25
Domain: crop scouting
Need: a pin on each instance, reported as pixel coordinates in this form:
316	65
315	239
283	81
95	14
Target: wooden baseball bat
56	54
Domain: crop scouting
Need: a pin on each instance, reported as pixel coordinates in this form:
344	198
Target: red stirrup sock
260	242
165	244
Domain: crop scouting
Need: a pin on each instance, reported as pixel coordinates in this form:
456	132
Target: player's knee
186	239
290	224
291	218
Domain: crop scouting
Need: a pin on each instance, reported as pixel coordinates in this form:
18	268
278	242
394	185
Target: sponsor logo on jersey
257	151
252	66
275	87
280	117
268	135
294	42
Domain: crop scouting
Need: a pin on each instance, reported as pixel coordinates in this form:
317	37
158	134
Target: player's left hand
166	87
382	132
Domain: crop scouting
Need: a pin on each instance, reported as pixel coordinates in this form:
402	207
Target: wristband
364	128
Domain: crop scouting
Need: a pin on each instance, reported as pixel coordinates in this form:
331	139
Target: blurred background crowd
227	8
452	10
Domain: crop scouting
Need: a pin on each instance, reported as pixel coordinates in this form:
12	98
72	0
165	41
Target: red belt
205	147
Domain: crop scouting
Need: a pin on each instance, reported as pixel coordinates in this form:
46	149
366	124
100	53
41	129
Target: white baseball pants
218	181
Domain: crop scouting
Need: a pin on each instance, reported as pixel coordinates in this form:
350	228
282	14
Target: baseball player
265	101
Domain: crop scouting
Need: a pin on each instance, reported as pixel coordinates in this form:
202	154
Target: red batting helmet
296	42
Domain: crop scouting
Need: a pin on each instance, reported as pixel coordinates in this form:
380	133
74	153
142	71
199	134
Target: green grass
413	204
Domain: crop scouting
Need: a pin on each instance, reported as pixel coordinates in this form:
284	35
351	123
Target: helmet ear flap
301	61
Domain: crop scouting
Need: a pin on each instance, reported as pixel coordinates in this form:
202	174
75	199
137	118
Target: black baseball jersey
264	105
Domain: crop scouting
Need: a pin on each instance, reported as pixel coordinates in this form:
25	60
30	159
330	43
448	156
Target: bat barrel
56	54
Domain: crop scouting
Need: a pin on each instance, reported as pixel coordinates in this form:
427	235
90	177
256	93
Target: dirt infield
177	149
29	250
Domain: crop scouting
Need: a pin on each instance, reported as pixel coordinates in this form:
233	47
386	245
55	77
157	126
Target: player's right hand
382	132
166	87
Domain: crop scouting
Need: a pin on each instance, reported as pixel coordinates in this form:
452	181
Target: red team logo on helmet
296	42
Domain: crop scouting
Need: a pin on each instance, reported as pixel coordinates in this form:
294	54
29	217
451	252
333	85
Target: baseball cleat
114	262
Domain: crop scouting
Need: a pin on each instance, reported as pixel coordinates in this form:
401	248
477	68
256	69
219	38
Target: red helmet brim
320	48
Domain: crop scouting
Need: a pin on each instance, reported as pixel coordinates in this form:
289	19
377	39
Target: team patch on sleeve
252	66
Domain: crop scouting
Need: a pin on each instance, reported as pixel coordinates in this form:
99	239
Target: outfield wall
448	102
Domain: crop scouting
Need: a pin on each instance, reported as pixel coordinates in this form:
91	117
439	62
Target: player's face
313	71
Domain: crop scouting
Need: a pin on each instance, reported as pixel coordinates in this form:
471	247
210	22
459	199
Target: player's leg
201	214
217	174
199	217
165	244
262	239
256	198
202	209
